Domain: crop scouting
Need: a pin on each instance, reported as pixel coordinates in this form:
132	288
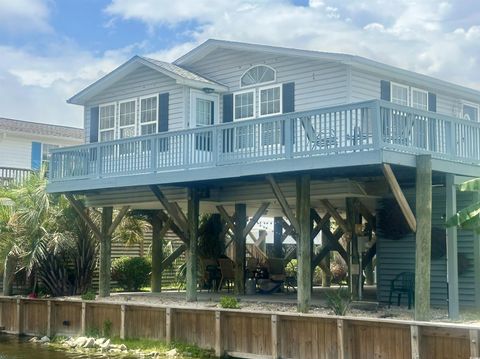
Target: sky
49	50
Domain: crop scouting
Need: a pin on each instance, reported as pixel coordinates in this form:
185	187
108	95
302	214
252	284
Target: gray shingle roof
177	70
42	129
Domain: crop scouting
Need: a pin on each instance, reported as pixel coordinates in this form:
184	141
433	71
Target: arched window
257	75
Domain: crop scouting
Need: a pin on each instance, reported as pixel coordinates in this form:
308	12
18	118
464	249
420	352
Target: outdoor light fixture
208	90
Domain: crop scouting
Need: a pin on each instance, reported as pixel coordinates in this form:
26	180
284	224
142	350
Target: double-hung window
106	124
148	115
419	99
270	100
244	105
127	119
399	94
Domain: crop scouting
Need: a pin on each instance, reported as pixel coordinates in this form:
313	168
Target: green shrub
88	295
229	302
131	273
339	300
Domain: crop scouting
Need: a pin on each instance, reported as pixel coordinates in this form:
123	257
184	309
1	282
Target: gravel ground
282	303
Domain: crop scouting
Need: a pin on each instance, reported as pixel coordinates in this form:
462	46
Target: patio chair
323	139
227	270
403	283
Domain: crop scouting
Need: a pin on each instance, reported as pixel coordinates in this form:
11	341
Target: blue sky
52	49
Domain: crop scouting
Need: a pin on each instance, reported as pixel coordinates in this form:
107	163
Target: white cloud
35	88
24	15
438	38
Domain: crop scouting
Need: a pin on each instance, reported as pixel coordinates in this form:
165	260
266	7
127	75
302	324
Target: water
15	347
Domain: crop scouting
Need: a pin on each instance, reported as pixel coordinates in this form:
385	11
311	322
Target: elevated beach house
310	138
25	146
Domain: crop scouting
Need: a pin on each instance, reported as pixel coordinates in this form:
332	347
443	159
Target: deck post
218	334
452	250
342	349
168	325
355	271
159	229
240	247
415	341
19	317
105	253
277	237
474	343
83	319
49	318
423	237
275	343
122	321
304	248
193	212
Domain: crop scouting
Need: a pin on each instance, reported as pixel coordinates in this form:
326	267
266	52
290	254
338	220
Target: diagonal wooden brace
283	202
82	212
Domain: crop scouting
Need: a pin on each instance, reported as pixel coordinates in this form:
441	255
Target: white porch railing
348	128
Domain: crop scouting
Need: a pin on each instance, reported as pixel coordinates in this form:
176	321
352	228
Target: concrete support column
452	251
240	247
105	253
193	213
277	237
423	237
157	254
304	246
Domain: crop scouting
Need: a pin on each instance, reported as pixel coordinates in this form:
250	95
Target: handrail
363	126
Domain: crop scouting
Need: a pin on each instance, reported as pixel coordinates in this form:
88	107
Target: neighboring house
226	114
26	145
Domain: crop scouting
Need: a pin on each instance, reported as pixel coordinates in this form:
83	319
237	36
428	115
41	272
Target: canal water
15	347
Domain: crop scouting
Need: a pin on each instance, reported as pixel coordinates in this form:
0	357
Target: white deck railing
364	126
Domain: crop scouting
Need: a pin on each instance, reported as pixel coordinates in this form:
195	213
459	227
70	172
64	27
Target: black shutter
432	102
385	90
227	134
212	111
228	108
288	97
163	112
94	115
288	105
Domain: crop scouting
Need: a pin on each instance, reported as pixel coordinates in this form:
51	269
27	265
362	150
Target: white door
203	109
203	113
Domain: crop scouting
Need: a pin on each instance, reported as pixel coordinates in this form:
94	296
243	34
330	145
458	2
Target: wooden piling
193	212
423	237
304	253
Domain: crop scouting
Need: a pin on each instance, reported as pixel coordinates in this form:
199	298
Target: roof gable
180	75
389	72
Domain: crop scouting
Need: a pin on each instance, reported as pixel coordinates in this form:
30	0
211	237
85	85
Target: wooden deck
364	133
246	334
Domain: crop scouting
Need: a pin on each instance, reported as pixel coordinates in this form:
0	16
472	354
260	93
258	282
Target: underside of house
308	138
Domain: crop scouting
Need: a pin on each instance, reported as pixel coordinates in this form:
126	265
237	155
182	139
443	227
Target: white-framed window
244	105
127	118
470	111
46	155
270	100
258	74
148	115
419	99
106	122
399	94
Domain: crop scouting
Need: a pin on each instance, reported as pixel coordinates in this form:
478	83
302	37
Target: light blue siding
395	256
143	82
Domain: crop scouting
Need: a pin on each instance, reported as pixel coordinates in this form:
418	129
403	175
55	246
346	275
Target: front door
203	113
203	109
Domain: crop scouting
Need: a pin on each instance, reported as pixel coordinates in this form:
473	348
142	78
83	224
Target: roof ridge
41	123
